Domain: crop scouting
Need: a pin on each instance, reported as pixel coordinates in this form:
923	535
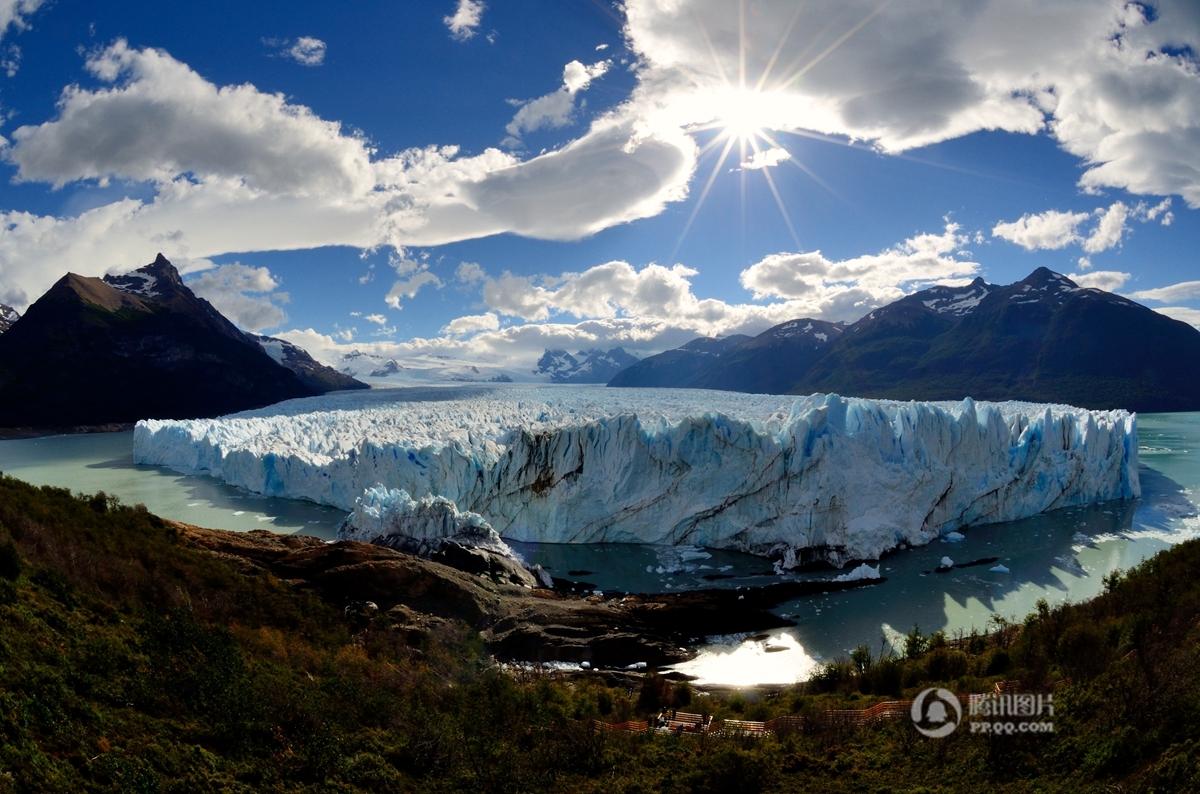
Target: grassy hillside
129	662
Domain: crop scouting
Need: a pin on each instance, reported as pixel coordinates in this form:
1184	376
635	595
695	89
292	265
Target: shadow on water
1059	556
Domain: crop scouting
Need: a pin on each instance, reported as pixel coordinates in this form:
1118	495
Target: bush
10	561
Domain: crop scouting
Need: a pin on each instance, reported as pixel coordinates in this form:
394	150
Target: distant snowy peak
8	316
557	364
585	366
1044	286
311	372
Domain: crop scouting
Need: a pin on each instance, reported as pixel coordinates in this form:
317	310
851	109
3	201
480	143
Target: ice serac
422	525
434	527
813	478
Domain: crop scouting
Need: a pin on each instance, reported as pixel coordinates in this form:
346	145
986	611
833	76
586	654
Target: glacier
797	479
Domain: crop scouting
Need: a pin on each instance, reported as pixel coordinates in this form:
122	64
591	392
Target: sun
744	115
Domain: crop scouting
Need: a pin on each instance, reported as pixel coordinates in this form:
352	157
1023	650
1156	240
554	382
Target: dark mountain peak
818	331
141	345
159	279
74	288
1045	277
715	345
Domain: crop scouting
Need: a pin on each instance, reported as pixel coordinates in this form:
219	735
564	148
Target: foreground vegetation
130	662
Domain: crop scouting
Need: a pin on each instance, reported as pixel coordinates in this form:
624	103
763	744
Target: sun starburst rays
744	112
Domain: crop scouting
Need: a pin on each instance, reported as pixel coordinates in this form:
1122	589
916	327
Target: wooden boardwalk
679	722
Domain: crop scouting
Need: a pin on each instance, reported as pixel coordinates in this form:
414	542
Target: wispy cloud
464	22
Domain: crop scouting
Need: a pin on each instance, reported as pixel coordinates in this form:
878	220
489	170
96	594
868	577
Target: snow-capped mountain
94	351
585	366
8	316
309	370
1044	338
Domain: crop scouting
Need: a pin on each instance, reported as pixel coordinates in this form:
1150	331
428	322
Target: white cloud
1183	291
1042	231
1110	228
464	22
847	289
765	158
1160	210
1053	229
557	108
246	295
1107	280
15	14
160	119
1182	313
469	273
1112	82
471	324
653	308
304	50
1085	263
235	169
10	62
378	319
407	288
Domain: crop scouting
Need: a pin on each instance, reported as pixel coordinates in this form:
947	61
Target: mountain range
142	345
585	366
1044	339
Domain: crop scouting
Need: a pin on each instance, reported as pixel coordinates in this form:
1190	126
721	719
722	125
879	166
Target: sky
485	180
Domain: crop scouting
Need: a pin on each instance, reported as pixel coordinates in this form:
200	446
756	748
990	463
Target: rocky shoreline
416	596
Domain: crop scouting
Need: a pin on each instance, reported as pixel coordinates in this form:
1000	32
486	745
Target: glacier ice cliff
795	478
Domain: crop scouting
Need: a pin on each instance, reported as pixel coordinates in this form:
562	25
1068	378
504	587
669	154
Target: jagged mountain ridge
585	366
96	351
8	316
310	371
1043	339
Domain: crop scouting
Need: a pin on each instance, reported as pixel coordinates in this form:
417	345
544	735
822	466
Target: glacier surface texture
797	479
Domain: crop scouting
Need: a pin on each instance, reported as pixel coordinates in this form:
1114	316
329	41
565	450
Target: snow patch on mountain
137	282
8	316
817	477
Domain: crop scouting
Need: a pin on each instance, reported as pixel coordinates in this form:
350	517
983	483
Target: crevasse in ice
796	478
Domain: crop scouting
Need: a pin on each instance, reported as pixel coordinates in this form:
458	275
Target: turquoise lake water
1060	556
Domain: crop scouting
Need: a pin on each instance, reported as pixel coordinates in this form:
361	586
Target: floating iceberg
863	571
795	478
